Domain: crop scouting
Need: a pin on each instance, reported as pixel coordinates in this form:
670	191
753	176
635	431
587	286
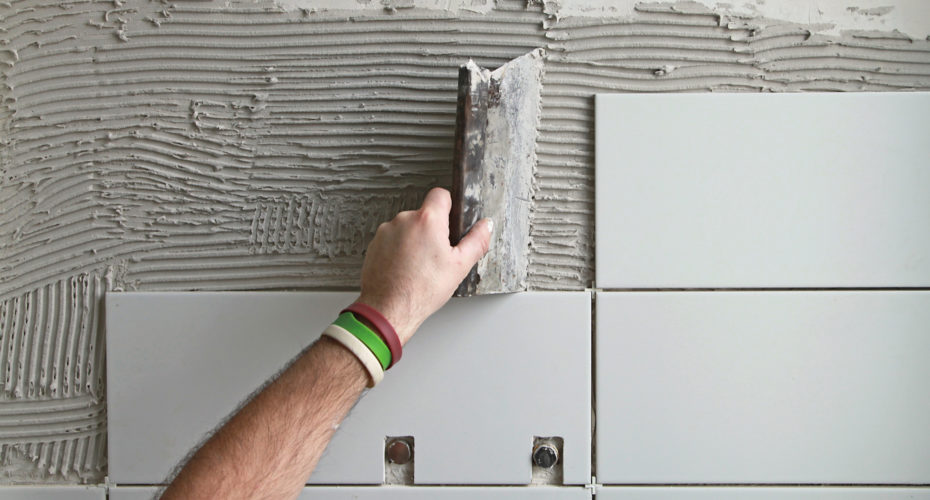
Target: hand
411	269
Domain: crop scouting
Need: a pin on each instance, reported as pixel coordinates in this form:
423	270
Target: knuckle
427	215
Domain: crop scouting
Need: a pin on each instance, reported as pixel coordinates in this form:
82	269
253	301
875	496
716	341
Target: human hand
411	269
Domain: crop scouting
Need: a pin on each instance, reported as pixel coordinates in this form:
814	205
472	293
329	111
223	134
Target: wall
206	145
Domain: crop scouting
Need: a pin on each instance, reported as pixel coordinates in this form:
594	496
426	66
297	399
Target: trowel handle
470	121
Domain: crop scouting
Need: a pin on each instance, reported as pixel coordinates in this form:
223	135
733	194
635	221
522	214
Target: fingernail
490	226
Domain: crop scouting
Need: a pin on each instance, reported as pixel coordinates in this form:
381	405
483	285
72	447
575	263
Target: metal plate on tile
763	387
477	383
803	190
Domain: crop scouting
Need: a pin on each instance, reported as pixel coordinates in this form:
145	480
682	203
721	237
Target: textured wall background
194	145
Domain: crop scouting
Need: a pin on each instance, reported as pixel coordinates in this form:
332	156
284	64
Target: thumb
475	244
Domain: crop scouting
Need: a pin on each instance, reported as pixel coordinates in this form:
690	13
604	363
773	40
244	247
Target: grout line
594	391
530	486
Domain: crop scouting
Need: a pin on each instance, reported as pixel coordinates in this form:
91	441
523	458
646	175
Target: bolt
399	451
545	456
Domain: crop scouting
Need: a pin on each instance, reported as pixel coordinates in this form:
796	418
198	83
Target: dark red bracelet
382	326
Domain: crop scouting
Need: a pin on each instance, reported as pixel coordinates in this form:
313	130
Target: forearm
269	448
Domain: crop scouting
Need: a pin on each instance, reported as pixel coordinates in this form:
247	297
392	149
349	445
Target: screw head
399	451
545	456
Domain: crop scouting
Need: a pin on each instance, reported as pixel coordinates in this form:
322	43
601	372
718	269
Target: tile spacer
593	486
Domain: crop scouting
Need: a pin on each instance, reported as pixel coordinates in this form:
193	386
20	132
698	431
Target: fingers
404	216
438	199
476	243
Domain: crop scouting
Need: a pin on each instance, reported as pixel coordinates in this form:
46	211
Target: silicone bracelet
347	321
382	325
359	349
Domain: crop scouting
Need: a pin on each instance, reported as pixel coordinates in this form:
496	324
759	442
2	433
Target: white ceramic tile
132	493
52	493
478	382
763	387
763	190
403	493
755	493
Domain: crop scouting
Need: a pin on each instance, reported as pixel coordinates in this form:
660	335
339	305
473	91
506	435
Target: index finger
438	199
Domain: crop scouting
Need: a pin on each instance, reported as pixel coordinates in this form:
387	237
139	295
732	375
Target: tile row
779	387
803	190
498	493
578	493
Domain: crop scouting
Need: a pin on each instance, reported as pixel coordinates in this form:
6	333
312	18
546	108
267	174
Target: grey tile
763	387
761	493
478	382
53	493
763	190
405	493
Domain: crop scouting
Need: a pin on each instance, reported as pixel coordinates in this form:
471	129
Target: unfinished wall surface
197	145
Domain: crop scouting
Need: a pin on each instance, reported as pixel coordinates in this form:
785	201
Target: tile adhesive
206	145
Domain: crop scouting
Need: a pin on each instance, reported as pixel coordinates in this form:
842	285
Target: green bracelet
371	339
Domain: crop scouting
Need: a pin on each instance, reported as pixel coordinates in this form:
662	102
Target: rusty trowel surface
494	167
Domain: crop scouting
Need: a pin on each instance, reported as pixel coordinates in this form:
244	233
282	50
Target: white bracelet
359	349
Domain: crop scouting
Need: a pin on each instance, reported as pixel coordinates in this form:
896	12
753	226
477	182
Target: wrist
398	319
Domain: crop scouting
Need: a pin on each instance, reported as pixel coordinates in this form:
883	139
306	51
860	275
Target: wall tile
481	379
53	493
763	387
779	493
763	190
403	493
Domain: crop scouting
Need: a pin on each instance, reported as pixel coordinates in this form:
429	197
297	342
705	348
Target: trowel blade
493	171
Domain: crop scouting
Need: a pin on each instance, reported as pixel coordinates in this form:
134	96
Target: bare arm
270	447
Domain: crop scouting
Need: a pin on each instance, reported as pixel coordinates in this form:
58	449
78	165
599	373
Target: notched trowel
493	170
